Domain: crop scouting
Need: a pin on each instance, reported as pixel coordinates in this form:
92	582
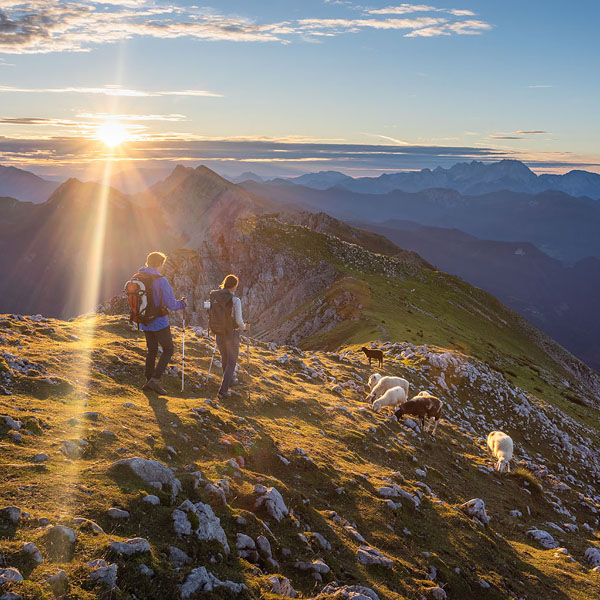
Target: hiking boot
154	385
145	386
224	395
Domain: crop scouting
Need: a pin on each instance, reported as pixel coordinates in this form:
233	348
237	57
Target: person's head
230	283
156	260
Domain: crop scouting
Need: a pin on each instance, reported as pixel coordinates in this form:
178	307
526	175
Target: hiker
226	322
155	325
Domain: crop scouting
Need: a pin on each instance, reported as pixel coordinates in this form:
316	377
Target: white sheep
374	380
393	397
501	446
386	383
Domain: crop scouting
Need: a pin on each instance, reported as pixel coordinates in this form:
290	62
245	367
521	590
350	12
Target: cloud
535	87
40	27
108	90
76	154
533	132
130	117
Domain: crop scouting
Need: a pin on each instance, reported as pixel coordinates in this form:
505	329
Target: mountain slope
24	186
559	299
348	478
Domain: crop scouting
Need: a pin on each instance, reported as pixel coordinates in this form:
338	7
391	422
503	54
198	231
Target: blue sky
489	79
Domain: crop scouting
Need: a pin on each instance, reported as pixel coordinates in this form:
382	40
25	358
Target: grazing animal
501	446
373	354
374	380
423	405
393	397
384	384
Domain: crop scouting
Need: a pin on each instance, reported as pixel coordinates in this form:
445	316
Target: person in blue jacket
158	331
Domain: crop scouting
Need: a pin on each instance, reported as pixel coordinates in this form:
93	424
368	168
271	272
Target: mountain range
474	178
24	185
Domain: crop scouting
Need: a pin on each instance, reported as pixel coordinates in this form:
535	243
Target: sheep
423	405
376	354
384	384
374	380
392	397
501	447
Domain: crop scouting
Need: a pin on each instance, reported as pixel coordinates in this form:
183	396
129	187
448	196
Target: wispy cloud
108	90
40	27
535	87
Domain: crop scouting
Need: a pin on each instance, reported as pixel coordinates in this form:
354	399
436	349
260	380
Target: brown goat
423	405
373	354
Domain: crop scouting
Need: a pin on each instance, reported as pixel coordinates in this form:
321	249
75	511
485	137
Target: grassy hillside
300	424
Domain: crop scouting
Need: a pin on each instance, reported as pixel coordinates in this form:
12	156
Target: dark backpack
140	299
220	313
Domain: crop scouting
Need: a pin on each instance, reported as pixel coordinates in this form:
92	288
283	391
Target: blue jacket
162	294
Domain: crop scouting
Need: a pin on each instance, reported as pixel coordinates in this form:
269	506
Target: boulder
543	538
105	574
592	556
201	580
282	587
152	472
32	550
61	542
349	592
130	547
367	555
10	575
177	557
476	508
272	501
12	514
208	524
59	583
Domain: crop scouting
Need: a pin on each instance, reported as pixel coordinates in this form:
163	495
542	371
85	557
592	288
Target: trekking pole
183	354
212	358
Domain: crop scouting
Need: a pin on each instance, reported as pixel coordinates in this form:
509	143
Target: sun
112	133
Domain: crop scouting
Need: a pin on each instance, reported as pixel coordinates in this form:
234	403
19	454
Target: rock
10	575
272	501
130	547
151	499
316	566
11	596
88	524
367	555
11	423
117	513
12	514
246	547
476	508
282	587
264	547
438	593
592	556
59	583
34	553
73	449
105	574
201	580
349	592
61	541
209	525
41	457
543	538
322	541
395	491
177	557
152	472
145	571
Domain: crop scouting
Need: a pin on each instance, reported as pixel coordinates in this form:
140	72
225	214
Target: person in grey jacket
228	341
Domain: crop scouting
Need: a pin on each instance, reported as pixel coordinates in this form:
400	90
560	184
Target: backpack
140	299
220	313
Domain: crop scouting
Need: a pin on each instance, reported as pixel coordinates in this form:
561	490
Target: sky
291	86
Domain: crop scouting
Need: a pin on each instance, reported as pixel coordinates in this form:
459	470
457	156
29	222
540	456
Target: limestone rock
592	556
10	575
130	547
476	508
282	587
201	580
209	525
152	472
367	555
272	501
543	538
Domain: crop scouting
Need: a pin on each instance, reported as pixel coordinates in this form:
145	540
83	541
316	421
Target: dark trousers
154	339
229	347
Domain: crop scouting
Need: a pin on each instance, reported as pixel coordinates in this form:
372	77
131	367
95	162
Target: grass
350	449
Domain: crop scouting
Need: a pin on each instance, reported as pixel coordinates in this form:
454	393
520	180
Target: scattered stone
367	555
282	587
10	575
476	508
246	547
61	541
592	556
272	501
349	592
41	457
118	513
105	574
59	583
438	593
201	580
12	514
152	472
145	571
130	547
209	525
88	524
543	538
34	553
151	499
177	557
